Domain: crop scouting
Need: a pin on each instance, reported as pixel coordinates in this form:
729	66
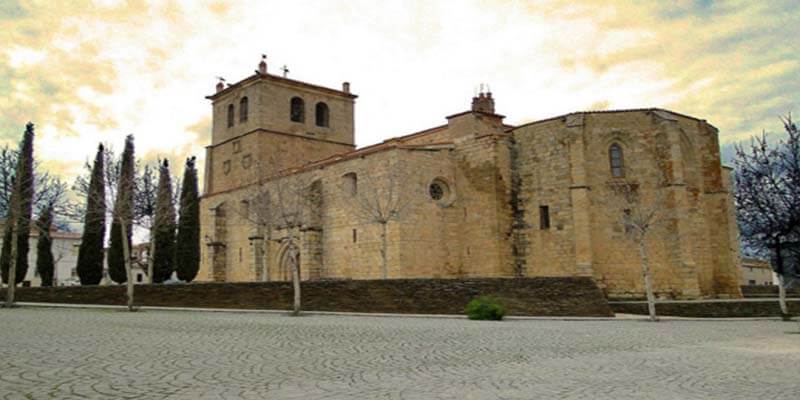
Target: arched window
230	115
298	113
322	114
243	109
350	183
616	161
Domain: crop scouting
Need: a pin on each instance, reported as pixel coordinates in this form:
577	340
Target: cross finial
285	70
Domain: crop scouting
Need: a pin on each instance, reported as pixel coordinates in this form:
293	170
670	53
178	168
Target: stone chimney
346	87
483	103
262	66
220	86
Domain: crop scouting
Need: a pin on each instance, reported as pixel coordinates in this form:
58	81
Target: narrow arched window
322	114
616	161
298	113
243	109
230	115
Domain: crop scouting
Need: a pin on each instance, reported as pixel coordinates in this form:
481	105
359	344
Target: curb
284	312
619	316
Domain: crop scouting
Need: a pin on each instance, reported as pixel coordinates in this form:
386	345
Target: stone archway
287	258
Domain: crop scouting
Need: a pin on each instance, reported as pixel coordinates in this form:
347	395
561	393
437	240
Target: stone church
473	197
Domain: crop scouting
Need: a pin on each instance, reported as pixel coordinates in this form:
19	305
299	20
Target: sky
94	71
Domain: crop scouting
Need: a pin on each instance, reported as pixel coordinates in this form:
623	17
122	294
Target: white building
139	256
65	255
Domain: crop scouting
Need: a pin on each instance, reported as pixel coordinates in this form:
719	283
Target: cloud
87	71
733	63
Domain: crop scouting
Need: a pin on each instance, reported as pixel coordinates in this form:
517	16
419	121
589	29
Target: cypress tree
20	216
45	263
90	252
187	253
164	229
122	214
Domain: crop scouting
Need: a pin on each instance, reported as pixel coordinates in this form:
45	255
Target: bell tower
266	123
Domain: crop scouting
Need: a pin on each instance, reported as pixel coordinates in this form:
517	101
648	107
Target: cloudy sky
87	72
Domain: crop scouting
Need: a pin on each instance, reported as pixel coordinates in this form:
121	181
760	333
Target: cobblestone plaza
110	354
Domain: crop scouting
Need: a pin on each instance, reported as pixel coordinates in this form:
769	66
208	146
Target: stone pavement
111	354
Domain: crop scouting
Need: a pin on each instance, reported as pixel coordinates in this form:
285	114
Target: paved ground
105	354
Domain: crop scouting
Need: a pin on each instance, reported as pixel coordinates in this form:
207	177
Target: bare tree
380	198
145	207
278	206
291	199
50	190
640	211
767	193
112	164
121	187
639	201
123	217
145	182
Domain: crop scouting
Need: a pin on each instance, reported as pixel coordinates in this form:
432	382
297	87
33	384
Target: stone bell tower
266	123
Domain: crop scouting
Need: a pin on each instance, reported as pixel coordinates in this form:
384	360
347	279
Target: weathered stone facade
472	198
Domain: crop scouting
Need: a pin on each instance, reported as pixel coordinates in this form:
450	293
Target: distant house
65	255
139	255
755	271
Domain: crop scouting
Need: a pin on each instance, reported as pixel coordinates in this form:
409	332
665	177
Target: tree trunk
12	270
295	281
648	286
267	253
126	253
152	247
384	250
782	297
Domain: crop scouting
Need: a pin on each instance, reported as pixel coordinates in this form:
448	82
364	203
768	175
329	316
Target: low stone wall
570	296
756	291
710	308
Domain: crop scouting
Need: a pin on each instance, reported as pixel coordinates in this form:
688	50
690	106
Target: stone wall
673	160
710	308
251	157
542	161
465	234
525	296
755	291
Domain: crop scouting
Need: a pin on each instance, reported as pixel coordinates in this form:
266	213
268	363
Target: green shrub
486	308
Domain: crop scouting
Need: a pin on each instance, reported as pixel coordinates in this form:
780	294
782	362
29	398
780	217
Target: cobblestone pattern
68	353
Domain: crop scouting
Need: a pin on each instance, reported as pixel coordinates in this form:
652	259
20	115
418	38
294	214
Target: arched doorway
289	257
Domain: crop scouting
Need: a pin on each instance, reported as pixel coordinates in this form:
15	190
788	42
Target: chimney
346	87
220	86
262	66
483	103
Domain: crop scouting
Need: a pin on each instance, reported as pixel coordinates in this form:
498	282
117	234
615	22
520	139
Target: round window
436	191
439	191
